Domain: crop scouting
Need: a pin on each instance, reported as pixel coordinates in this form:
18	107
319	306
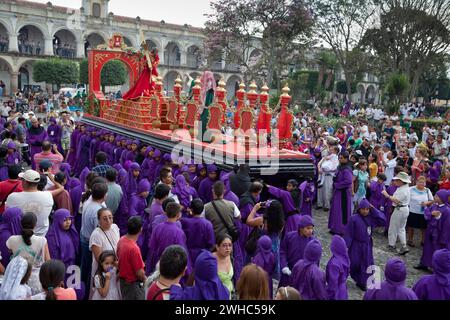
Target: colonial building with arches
32	31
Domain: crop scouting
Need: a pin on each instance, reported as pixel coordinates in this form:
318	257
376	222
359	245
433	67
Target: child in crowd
105	279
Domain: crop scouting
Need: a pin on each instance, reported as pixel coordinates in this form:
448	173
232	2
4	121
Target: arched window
96	10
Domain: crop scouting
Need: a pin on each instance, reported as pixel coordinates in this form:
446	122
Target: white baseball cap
30	176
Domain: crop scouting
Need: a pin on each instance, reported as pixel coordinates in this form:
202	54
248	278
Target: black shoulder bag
232	230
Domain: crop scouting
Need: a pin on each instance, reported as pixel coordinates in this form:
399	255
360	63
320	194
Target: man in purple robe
338	269
71	182
307	277
341	202
54	132
292	248
75	197
436	286
207	285
358	237
153	164
436	234
82	155
184	193
10	226
73	145
376	192
198	230
393	288
145	166
165	234
93	146
205	187
36	135
62	238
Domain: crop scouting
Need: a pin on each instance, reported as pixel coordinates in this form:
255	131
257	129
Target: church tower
96	8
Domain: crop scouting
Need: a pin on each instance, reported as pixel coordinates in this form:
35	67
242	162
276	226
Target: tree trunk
320	80
349	88
270	64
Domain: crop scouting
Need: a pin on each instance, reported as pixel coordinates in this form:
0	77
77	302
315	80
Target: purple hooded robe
54	132
358	237
205	187
207	285
10	226
292	248
293	217
308	279
266	259
164	234
436	234
436	286
394	287
376	197
199	235
35	138
338	269
63	245
341	202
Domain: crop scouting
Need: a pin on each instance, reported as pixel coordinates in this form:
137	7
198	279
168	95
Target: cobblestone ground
380	252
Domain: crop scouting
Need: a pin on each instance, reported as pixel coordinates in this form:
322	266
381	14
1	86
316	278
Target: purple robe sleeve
344	180
133	208
377	218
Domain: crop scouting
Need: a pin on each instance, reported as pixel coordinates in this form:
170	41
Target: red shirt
130	259
445	185
156	293
6	188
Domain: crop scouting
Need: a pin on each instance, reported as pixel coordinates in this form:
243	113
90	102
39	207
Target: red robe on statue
145	85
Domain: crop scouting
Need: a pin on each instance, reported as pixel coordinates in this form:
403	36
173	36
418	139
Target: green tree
84	71
397	87
341	24
277	28
56	71
114	73
342	88
409	36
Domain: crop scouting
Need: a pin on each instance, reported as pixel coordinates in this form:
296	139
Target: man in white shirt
32	200
327	168
440	148
389	166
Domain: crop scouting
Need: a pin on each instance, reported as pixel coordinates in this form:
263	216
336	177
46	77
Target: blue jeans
86	266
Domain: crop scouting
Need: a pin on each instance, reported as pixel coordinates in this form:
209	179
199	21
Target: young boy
165	234
199	231
172	266
308	189
358	237
292	248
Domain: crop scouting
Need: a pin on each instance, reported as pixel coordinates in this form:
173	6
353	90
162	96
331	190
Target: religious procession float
191	126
